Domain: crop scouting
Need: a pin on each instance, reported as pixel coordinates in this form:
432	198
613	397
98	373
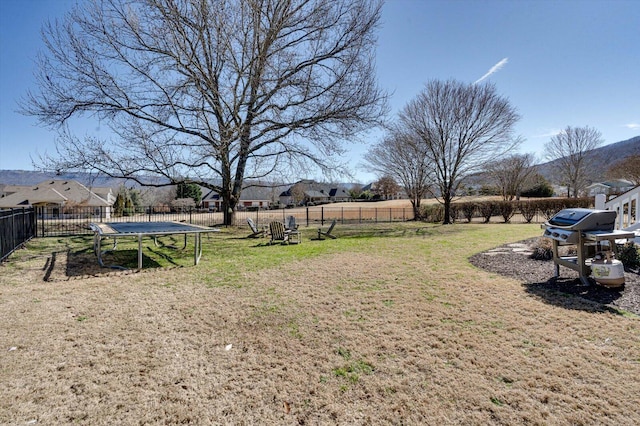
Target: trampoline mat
151	227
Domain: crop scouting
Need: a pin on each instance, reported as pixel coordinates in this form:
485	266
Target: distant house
315	196
373	189
56	194
251	197
339	195
613	187
307	192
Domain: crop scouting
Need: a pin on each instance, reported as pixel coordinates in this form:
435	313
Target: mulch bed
513	260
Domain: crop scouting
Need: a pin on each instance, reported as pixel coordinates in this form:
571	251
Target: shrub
542	249
506	209
489	190
487	209
582	202
550	207
528	210
629	256
468	210
540	190
432	213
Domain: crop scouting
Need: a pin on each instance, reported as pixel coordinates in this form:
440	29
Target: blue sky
560	63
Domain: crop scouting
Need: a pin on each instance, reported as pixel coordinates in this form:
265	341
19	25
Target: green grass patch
352	371
230	254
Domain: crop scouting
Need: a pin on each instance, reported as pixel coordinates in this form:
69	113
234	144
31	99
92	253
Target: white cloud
632	126
548	134
497	67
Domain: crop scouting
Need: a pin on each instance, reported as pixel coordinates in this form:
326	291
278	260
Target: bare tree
511	174
627	168
355	191
401	157
219	92
569	151
298	193
462	127
387	187
154	195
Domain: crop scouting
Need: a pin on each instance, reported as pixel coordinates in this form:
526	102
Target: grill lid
584	219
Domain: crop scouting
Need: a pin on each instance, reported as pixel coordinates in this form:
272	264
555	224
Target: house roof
52	192
369	187
339	192
314	189
613	184
312	193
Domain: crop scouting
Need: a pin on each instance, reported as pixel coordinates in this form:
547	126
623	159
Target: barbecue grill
594	237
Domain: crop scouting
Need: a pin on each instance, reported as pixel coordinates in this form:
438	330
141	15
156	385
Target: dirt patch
513	260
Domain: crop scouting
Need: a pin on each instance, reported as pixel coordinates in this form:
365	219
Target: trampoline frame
109	230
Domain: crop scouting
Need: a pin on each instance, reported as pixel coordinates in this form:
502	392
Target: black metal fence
19	225
56	221
16	227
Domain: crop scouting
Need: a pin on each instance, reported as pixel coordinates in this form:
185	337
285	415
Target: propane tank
607	271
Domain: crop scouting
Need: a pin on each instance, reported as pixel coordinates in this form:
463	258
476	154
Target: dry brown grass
392	328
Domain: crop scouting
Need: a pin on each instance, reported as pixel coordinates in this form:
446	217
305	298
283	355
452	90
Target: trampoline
139	230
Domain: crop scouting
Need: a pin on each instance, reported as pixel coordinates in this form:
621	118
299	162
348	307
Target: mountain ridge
605	156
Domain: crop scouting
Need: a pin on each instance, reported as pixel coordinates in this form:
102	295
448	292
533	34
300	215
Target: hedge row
529	209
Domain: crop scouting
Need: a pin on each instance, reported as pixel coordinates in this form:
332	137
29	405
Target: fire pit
594	237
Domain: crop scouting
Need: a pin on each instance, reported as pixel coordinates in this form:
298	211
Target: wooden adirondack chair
278	233
256	233
327	232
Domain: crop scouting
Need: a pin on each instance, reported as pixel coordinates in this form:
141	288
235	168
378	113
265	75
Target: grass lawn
388	324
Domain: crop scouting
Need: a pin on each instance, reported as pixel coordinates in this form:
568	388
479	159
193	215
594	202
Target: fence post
322	215
13	228
43	211
342	214
307	209
390	214
34	222
359	214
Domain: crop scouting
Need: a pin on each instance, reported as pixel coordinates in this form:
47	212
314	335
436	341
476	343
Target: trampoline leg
99	251
139	251
197	250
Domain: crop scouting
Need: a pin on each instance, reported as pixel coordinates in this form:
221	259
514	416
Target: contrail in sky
497	67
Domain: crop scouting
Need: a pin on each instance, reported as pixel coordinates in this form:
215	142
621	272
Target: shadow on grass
84	262
166	257
570	293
